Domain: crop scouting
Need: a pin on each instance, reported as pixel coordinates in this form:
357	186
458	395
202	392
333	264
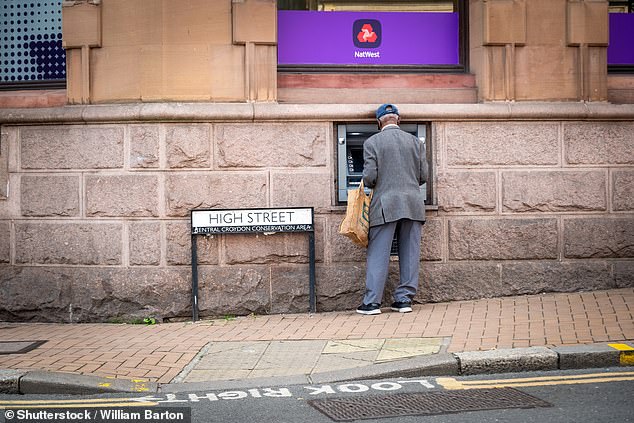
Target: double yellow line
454	384
78	403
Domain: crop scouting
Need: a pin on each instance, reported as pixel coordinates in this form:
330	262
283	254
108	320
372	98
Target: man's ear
398	120
378	122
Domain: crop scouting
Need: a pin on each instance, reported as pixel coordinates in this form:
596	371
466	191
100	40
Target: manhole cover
18	347
428	403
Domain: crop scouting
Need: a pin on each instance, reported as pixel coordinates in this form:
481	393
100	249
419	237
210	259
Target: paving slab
261	359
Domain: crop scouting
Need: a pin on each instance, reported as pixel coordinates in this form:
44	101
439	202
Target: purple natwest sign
367	38
620	51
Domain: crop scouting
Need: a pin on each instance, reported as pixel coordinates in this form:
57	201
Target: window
31	53
620	50
353	35
622	6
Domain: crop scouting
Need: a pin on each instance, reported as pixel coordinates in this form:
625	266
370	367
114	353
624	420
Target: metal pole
311	286
194	280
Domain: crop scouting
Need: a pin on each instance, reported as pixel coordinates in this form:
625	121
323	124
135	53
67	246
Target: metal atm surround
350	139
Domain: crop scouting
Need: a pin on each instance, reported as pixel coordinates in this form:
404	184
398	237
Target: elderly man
395	167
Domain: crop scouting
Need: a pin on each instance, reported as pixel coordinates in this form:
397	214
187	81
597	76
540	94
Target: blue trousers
378	260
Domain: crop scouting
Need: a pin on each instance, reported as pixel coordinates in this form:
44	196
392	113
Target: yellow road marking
102	405
75	403
621	347
454	384
627	354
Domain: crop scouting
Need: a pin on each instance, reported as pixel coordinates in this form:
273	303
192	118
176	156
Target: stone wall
94	225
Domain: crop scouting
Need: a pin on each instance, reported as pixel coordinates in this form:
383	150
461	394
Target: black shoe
402	306
373	308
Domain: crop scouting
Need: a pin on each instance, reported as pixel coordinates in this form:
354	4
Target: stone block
122	294
254	21
441	282
4	164
507	360
623	190
9	381
554	191
68	243
226	190
591	356
502	239
539	72
587	23
72	147
49	195
290	291
624	274
599	142
504	22
234	290
179	245
122	195
199	17
81	25
5	242
40	294
93	294
523	278
261	249
144	146
294	189
502	143
466	192
188	146
431	244
10	206
340	286
344	250
599	238
271	144
145	243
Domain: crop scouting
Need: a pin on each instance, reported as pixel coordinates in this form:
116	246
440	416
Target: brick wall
95	225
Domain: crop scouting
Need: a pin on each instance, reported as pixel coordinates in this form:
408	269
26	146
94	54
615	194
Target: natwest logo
366	33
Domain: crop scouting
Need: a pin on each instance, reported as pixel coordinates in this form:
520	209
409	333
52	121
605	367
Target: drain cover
18	347
427	403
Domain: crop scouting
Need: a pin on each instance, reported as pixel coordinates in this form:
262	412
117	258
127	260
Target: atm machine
350	139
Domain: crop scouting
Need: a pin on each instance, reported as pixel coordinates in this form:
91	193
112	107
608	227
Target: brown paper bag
356	224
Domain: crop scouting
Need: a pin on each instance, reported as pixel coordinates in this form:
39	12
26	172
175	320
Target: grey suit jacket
395	167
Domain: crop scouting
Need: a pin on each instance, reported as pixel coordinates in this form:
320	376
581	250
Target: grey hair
389	116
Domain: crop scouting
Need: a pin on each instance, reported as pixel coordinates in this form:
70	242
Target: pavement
495	335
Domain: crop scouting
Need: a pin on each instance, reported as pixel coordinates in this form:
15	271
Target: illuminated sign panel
367	38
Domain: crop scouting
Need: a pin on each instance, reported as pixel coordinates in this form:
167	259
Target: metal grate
18	347
428	403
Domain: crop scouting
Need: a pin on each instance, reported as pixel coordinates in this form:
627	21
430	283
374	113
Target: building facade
162	107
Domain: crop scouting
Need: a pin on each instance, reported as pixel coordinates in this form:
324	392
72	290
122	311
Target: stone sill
274	112
342	208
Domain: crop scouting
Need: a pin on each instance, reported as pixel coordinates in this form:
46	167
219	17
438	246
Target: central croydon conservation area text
252	220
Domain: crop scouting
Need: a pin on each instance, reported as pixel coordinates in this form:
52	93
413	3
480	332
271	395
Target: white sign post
250	221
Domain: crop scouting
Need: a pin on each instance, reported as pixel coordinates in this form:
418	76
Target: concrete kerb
43	382
442	364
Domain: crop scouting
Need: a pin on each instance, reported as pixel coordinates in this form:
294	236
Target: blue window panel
31	41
